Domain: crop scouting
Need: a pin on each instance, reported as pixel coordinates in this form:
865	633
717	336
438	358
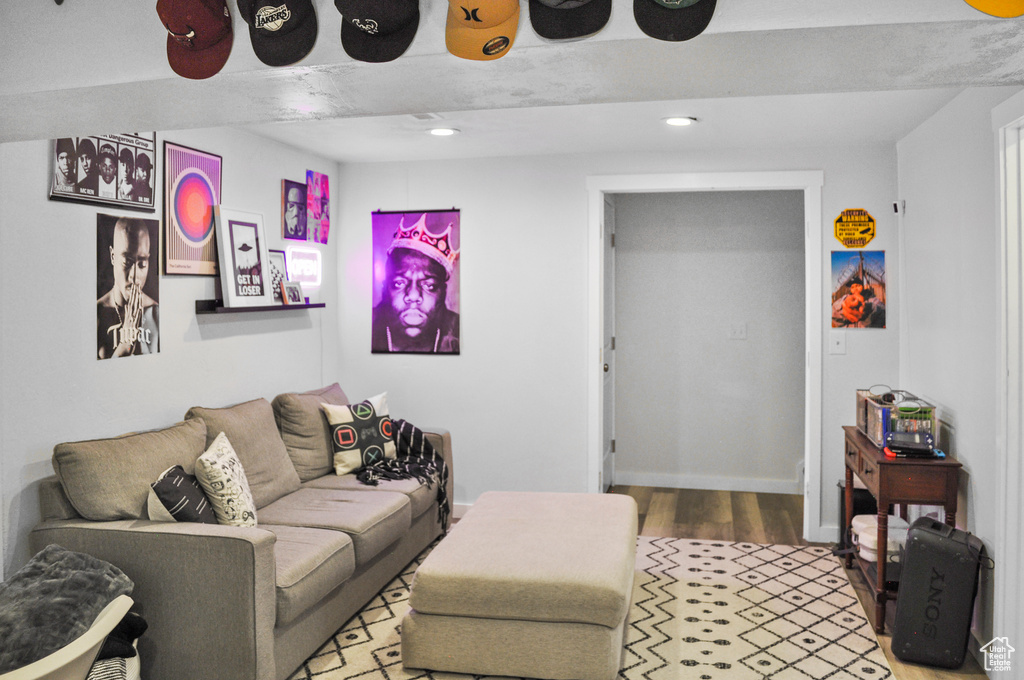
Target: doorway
710	331
809	183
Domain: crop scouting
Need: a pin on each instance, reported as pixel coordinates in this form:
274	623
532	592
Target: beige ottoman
527	584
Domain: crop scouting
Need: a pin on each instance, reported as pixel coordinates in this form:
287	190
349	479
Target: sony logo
932	612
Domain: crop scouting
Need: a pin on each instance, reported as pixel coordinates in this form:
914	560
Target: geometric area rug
702	610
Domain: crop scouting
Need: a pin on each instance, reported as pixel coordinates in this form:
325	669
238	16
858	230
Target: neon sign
304	265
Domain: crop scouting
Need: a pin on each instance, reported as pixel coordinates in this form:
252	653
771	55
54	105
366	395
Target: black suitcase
935	601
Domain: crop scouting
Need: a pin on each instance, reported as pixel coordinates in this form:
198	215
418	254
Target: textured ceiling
59	79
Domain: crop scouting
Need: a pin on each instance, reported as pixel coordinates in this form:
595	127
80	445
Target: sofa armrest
207	592
441	440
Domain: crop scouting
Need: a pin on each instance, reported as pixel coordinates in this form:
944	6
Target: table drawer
867	470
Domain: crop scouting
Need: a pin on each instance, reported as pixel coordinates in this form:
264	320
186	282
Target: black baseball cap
673	20
377	30
282	32
569	19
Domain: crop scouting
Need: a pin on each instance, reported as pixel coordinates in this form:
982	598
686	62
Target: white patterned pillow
221	475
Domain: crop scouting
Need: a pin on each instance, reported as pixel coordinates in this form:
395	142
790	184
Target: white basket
865	536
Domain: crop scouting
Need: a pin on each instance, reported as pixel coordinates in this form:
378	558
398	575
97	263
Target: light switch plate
837	342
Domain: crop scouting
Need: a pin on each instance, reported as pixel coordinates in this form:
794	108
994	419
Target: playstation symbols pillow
360	433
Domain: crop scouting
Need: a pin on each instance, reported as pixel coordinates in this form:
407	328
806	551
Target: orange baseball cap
999	8
481	29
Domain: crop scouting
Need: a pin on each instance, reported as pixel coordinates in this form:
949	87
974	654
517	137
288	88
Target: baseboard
459	509
670	481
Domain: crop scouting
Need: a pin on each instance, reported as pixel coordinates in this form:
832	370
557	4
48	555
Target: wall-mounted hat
999	8
199	36
378	30
673	20
282	32
569	19
481	29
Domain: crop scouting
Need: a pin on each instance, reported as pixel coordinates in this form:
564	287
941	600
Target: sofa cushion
176	496
108	479
304	429
361	434
420	495
373	520
221	475
310	564
251	429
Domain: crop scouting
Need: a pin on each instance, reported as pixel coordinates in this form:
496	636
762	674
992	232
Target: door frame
1008	126
810	182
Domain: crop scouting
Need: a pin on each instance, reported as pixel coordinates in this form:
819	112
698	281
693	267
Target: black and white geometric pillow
177	497
360	433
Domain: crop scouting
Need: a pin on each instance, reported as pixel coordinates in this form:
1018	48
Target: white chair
73	661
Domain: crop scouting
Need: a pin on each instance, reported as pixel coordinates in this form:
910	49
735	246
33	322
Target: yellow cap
999	8
481	29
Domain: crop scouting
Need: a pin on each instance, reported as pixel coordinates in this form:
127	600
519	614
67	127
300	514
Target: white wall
516	398
54	389
690	402
950	341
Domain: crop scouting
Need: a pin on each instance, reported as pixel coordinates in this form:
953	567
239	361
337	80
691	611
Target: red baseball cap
199	35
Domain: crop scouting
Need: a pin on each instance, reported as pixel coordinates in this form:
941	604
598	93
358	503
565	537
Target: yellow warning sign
855	228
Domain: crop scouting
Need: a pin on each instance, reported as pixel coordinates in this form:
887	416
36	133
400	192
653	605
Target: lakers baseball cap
673	20
378	30
282	32
568	19
999	8
199	36
481	29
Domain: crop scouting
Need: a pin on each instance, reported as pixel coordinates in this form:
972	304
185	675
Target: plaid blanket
416	459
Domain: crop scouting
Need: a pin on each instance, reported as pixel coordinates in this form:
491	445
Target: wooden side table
903	481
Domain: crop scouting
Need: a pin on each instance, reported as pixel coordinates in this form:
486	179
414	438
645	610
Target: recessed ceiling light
677	121
443	132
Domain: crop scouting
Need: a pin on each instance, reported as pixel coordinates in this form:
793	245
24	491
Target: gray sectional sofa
241	603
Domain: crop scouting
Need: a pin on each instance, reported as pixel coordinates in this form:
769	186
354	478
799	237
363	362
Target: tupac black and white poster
127	286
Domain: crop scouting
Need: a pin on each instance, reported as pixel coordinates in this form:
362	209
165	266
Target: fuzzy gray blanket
51	601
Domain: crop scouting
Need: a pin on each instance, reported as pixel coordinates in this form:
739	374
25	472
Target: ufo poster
191	190
245	272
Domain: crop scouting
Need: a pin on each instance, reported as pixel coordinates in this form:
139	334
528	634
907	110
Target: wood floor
761	518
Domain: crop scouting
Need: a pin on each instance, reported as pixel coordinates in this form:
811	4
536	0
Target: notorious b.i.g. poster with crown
416	282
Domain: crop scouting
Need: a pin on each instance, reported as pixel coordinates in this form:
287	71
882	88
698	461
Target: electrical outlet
738	331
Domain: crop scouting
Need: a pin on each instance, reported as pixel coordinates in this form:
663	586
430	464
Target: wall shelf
217	307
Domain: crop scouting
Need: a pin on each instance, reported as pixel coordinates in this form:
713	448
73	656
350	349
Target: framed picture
114	170
293	210
278	273
858	289
318	204
127	286
244	260
191	190
416	282
293	293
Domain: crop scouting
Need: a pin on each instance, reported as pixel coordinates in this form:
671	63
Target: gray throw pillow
253	434
108	479
305	431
